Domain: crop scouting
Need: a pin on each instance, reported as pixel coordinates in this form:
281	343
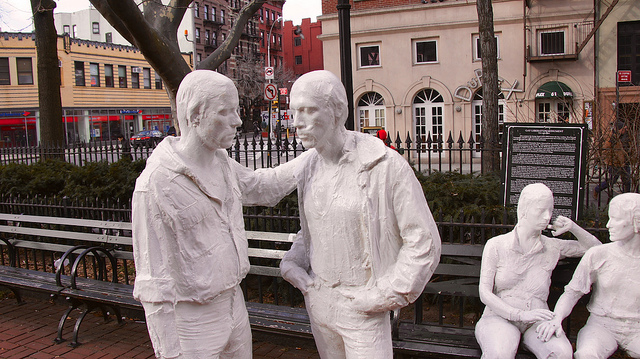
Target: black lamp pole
344	33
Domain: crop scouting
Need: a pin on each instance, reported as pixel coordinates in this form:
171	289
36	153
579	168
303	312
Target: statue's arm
295	266
563	224
267	186
161	323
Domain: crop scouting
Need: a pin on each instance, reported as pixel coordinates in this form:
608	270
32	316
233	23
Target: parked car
146	139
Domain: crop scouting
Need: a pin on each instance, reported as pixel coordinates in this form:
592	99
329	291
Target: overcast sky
15	16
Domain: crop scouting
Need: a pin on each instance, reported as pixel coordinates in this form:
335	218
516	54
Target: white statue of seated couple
516	275
367	245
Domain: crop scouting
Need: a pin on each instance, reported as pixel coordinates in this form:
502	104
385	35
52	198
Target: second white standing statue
515	277
368	243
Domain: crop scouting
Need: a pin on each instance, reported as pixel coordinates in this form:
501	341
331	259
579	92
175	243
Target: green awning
554	89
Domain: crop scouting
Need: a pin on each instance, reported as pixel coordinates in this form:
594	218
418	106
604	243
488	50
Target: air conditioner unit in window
136	70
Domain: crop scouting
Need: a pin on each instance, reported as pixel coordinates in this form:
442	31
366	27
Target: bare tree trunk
51	127
490	90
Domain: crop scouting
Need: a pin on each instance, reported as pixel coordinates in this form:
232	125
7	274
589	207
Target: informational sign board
270	92
553	154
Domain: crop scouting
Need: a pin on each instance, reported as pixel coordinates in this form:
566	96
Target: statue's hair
531	194
189	100
328	89
628	203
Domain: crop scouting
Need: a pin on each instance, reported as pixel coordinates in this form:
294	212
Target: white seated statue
611	273
515	277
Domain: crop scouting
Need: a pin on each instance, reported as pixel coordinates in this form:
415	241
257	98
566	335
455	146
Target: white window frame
431	110
363	46
564	39
374	113
415	51
476	115
555	107
476	47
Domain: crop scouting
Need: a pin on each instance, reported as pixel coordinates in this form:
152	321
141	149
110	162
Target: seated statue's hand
536	315
299	278
366	300
550	328
561	225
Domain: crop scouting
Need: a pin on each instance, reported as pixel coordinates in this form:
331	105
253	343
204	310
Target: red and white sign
268	73
624	76
270	92
283	91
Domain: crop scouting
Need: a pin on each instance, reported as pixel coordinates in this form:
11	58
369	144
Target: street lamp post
269	65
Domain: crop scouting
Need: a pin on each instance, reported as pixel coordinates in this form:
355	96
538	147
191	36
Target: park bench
97	276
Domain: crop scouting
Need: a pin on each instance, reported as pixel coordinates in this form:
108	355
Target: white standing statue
190	247
368	243
515	277
611	272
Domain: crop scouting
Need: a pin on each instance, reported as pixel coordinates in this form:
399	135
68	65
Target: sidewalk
28	330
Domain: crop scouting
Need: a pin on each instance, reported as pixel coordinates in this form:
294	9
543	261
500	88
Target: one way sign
270	92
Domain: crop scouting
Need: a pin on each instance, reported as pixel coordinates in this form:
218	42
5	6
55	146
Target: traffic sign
268	73
283	91
270	92
624	76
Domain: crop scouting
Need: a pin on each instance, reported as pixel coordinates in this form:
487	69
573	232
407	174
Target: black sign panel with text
553	154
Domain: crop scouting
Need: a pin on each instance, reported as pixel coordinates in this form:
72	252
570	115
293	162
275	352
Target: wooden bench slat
66	221
79	236
266	253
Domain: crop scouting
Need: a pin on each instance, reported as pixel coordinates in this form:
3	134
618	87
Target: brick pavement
28	330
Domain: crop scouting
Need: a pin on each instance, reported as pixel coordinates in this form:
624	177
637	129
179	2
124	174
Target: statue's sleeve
420	251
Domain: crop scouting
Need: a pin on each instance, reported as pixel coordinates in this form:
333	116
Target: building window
94	72
135	79
66	29
108	75
476	108
207	37
146	77
122	76
196	10
108	37
552	42
158	82
198	58
261	16
213	13
5	78
79	73
428	108
371	111
426	51
477	53
206	12
197	35
629	49
222	16
95	27
75	31
297	41
554	110
298	59
370	56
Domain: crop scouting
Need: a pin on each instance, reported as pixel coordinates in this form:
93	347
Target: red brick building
302	48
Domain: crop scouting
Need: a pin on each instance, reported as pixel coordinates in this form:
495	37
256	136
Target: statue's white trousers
342	332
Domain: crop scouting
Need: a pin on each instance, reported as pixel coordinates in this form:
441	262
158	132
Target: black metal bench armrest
101	264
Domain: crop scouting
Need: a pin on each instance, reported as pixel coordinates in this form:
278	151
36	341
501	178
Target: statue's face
538	214
620	226
219	120
314	121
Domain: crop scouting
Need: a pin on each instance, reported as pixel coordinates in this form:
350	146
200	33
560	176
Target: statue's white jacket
189	240
402	240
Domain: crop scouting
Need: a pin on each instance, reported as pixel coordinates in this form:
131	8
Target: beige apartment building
417	64
108	90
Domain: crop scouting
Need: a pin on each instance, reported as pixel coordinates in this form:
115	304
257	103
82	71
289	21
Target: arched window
371	111
428	106
476	106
